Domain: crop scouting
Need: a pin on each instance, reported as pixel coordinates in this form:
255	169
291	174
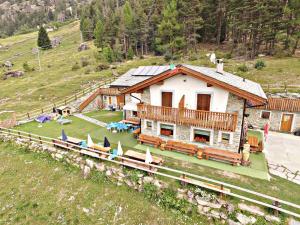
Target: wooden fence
48	108
175	174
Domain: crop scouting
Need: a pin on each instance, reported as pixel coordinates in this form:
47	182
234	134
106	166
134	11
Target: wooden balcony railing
197	118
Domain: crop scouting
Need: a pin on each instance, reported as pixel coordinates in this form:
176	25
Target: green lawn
277	187
106	115
35	189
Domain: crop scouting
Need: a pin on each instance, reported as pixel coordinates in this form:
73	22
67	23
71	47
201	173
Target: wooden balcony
197	118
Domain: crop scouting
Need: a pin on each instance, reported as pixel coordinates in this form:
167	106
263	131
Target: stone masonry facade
185	133
275	119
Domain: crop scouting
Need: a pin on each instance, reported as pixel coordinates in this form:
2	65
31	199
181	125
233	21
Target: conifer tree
43	39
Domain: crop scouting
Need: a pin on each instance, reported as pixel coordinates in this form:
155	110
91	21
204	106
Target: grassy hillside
35	189
57	79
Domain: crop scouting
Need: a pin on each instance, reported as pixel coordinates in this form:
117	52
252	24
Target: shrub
84	62
88	71
130	53
75	66
193	57
168	57
169	200
101	67
108	54
259	64
27	68
243	68
150	191
228	55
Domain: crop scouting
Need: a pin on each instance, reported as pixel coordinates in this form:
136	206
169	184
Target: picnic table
142	157
131	122
71	140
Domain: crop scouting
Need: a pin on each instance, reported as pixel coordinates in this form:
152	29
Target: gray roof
142	73
231	79
137	75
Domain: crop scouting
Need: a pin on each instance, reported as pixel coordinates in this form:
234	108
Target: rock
148	179
190	194
215	214
271	218
200	201
100	167
108	173
128	183
86	172
230	208
86	210
58	156
83	47
231	222
255	210
90	163
223	216
180	196
72	198
157	184
206	209
200	209
293	222
13	74
243	219
182	191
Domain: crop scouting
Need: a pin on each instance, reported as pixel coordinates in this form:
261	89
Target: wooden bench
136	132
73	141
254	144
203	184
181	147
155	141
223	155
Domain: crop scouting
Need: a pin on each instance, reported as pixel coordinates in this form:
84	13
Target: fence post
28	115
75	96
276	203
29	137
42	110
19	133
222	195
40	140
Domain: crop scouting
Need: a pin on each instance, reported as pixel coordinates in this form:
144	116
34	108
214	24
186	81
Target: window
265	114
134	113
148	124
202	136
166	130
225	137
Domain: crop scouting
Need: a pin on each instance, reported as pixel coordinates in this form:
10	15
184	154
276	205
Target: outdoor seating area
147	139
189	149
223	155
117	127
80	128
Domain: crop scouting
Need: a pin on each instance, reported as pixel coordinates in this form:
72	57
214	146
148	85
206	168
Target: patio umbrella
149	158
106	142
63	135
90	142
120	150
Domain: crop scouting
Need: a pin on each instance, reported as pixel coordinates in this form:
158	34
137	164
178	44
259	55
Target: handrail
35	112
201	118
38	138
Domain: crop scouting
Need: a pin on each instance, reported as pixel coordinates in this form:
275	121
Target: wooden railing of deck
86	102
109	91
197	118
282	104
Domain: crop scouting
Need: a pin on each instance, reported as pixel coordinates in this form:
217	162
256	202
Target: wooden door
109	100
286	122
166	99
203	102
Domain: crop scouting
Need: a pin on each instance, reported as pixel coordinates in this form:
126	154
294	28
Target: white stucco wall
189	86
114	101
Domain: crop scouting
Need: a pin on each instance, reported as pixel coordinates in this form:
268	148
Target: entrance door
166	99
286	122
203	102
109	100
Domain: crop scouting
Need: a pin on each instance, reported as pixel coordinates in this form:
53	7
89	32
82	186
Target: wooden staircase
86	102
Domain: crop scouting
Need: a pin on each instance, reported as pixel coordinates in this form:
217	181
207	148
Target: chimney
220	66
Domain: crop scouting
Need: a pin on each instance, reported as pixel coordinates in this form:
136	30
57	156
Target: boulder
13	74
83	47
293	222
255	210
86	172
148	179
243	219
90	163
200	201
271	218
231	222
100	167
